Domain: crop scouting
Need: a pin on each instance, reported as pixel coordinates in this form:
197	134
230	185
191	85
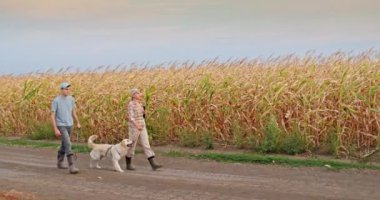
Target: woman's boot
153	164
129	165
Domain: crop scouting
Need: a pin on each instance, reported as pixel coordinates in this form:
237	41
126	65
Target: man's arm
74	113
54	108
54	124
76	117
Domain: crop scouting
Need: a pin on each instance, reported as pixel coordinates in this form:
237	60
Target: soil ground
32	172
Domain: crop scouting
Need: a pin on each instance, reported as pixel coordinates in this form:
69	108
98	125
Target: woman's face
138	96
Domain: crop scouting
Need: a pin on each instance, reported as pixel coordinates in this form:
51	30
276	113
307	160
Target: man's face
65	91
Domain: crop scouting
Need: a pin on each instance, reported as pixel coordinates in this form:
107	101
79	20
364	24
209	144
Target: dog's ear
124	143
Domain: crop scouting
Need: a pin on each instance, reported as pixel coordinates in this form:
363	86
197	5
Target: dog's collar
105	155
109	148
117	150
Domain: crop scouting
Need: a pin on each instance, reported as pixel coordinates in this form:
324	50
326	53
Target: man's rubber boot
129	165
72	168
153	164
60	159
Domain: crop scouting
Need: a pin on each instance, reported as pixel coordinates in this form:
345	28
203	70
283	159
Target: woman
137	130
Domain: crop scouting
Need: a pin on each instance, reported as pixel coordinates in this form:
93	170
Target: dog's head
127	142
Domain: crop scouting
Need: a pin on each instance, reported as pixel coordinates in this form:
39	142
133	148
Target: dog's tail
90	141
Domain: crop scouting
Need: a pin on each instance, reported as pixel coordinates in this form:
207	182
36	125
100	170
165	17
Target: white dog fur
116	152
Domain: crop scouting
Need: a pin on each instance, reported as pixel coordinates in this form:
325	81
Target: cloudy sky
42	34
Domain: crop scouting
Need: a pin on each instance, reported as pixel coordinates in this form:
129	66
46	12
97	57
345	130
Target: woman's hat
134	91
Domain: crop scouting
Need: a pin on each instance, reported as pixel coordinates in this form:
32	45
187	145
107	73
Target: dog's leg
91	162
117	166
93	157
97	164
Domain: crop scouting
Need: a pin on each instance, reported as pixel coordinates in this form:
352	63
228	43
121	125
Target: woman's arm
132	116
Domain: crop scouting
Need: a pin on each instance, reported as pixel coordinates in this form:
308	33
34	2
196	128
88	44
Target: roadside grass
271	159
54	144
80	148
253	158
29	143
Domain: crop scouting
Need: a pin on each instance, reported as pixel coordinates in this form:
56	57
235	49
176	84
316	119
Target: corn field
232	102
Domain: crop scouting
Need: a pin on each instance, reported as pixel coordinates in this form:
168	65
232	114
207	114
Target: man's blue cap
64	85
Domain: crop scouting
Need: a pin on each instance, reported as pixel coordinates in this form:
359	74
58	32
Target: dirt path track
33	171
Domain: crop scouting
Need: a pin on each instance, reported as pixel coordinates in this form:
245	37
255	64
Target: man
62	112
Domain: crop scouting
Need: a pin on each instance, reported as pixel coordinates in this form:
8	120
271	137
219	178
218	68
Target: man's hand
57	132
79	126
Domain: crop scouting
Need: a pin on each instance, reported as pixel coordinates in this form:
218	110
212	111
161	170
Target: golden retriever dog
115	152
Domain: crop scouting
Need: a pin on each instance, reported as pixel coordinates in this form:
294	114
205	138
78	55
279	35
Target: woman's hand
139	127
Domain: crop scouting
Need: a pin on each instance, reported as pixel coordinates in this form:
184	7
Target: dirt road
33	171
